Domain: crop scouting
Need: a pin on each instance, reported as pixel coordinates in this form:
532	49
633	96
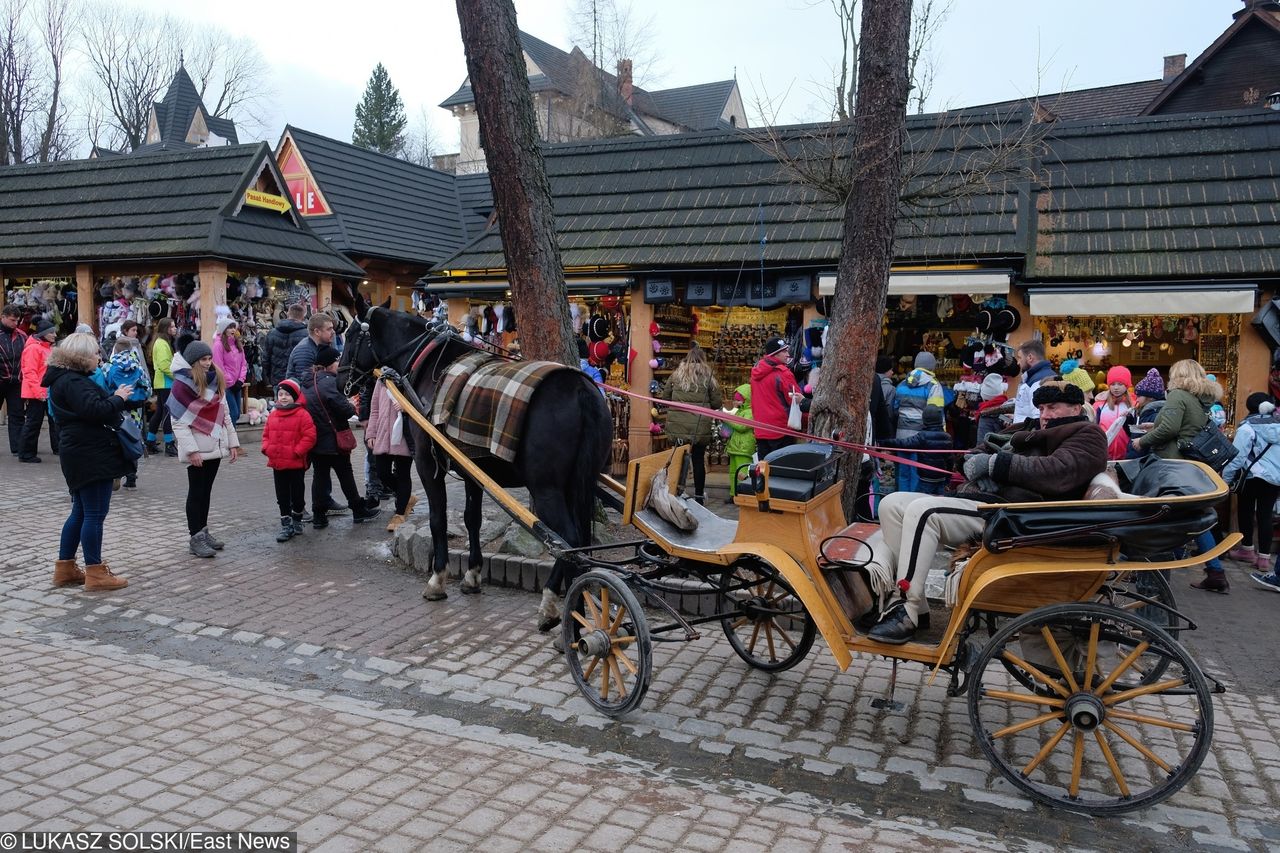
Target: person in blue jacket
914	394
126	367
931	437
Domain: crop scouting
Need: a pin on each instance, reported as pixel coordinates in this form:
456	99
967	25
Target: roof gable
1244	59
698	107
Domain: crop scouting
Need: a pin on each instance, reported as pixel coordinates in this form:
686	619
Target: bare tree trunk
521	193
866	249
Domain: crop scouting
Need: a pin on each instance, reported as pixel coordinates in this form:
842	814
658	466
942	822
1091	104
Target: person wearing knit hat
195	351
228	354
1258	461
993	386
331	411
31	366
287	438
1113	411
994	395
1072	372
1150	386
913	395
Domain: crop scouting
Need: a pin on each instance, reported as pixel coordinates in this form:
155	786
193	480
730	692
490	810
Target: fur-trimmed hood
61	357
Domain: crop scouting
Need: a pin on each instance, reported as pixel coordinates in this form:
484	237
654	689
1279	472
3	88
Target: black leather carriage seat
1144	525
799	472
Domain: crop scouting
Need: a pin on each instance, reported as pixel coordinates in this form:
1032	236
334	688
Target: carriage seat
1167	502
799	472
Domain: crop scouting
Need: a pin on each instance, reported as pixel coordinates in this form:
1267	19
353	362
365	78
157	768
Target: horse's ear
386	303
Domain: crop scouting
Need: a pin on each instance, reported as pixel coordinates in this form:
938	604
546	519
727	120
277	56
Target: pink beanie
1121	374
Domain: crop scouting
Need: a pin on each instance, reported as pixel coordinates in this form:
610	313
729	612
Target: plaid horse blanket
482	401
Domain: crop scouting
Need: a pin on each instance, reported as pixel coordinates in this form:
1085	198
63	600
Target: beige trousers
902	514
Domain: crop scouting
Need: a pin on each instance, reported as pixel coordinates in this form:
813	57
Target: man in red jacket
12	340
34	356
773	387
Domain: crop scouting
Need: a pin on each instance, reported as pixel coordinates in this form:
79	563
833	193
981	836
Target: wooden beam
639	439
324	293
85	309
213	292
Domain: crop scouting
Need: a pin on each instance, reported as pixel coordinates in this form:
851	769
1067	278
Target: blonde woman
91	458
1186	411
204	433
693	382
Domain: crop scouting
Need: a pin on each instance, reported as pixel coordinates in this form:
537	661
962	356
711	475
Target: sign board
306	196
659	290
795	288
270	201
700	293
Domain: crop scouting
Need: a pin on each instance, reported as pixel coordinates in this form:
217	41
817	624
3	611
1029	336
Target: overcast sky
321	53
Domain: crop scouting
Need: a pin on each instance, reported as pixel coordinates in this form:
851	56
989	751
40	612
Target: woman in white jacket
204	434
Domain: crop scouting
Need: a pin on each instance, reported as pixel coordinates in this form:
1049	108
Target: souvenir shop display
51	298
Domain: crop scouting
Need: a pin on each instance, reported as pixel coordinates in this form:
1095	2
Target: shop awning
1152	298
936	283
492	289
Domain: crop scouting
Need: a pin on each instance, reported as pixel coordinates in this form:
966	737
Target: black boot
153	446
171	448
320	521
363	511
296	521
286	529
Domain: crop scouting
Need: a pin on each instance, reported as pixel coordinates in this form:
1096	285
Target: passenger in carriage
1055	462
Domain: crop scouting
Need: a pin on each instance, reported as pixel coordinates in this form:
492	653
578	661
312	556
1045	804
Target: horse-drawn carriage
1060	629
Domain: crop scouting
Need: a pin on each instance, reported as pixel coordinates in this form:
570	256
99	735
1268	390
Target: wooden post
1253	365
85	309
458	308
1017	299
324	292
213	292
639	439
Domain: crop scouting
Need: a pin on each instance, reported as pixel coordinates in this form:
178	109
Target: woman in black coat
332	412
91	458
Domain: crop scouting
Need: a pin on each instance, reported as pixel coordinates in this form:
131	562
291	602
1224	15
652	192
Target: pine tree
380	118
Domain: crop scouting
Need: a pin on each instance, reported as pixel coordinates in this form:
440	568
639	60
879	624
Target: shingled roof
1118	101
705	199
383	207
1160	197
695	107
175	206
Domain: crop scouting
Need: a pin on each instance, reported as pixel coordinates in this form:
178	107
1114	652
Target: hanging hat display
654	330
610	303
598	353
597	327
657	346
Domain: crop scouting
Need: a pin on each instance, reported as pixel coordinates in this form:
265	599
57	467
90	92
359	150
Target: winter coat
1183	415
925	439
301	359
329	409
1111	418
124	370
288	436
1053	463
11	345
278	346
919	390
230	361
1023	407
87	447
382	417
216	445
690	426
742	439
162	361
1258	440
772	384
888	390
880	413
35	354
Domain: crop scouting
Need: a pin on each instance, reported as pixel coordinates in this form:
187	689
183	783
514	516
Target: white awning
1094	302
935	283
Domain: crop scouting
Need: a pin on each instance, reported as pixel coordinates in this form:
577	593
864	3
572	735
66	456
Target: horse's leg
433	482
550	507
471	517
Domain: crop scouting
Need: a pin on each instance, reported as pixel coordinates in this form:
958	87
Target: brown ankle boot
67	573
99	577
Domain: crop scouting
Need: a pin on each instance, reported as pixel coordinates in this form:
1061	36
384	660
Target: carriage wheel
1085	741
769	626
607	642
1148	668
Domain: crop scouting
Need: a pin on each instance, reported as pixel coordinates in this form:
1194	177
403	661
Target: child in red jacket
287	438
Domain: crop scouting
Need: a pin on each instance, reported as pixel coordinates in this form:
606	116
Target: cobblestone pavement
308	686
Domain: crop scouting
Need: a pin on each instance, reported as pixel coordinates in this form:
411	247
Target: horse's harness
418	349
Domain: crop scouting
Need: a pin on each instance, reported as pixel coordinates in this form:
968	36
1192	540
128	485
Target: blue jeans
83	527
233	403
908	475
1204	543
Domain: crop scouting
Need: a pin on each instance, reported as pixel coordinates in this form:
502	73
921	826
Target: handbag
1209	446
129	434
1237	485
344	438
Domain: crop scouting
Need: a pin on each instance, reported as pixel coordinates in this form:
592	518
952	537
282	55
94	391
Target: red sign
302	187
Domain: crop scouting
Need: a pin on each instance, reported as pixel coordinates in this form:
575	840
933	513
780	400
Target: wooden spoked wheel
769	626
607	642
1122	592
1092	738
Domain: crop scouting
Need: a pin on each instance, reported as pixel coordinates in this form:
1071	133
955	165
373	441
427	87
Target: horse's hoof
434	595
546	623
470	590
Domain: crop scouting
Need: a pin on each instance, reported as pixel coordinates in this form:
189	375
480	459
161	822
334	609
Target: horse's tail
596	432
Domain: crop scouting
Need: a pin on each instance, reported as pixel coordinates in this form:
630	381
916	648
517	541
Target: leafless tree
33	113
608	31
230	75
423	142
927	17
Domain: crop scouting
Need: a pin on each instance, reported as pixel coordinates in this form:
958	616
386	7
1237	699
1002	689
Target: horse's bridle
416	349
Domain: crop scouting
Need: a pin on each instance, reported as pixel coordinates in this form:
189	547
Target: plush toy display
256	410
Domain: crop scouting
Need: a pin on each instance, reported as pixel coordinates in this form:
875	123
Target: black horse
564	446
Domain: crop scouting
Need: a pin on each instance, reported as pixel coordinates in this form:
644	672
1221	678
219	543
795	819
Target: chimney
1173	65
624	80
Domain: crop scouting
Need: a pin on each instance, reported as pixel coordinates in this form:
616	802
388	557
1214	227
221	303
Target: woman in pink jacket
391	452
34	356
228	355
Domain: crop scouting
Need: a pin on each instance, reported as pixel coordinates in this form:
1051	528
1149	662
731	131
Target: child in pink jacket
228	355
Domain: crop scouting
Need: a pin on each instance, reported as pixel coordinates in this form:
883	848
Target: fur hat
926	361
1151	385
1058	393
195	351
291	388
993	385
326	356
